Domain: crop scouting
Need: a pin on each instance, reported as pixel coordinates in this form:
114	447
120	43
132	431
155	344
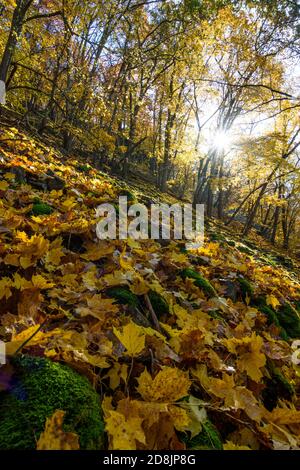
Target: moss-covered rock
41	208
246	287
217	237
123	296
200	281
83	168
277	386
245	249
286	317
158	303
208	439
273	319
289	319
39	388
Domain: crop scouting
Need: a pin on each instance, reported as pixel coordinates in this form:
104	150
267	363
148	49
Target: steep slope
187	349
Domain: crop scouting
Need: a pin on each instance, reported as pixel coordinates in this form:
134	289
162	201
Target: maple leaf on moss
54	438
273	301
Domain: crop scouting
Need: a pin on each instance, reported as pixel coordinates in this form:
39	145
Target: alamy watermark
2	353
160	221
2	92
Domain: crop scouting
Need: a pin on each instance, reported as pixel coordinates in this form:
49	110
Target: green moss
216	237
286	318
287	387
245	249
123	296
200	281
83	168
40	208
39	388
273	320
208	439
130	196
158	303
289	319
246	287
277	386
216	314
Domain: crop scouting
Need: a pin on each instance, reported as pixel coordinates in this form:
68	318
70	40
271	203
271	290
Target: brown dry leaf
283	416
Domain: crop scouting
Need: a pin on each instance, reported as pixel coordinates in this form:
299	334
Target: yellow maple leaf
69	203
273	301
9	176
40	282
4	185
235	397
116	373
96	251
90	280
125	261
284	416
54	255
169	385
224	388
132	337
179	258
124	432
97	307
12	259
179	417
5	287
54	438
231	446
139	285
21	283
249	356
196	413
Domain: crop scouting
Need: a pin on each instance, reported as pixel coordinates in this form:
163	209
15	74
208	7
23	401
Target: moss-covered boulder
246	287
158	303
276	386
40	208
200	281
273	319
286	317
83	168
40	387
289	319
123	296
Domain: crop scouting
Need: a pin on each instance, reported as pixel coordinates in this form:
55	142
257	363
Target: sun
222	140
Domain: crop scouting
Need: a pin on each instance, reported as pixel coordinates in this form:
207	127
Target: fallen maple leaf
54	438
249	356
124	432
168	386
272	300
132	337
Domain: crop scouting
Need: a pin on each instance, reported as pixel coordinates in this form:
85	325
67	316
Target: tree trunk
19	13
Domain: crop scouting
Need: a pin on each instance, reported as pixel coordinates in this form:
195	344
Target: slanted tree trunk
253	211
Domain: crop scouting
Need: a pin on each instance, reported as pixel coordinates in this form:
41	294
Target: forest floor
186	349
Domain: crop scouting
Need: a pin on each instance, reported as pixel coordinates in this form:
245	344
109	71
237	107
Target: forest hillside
149	343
